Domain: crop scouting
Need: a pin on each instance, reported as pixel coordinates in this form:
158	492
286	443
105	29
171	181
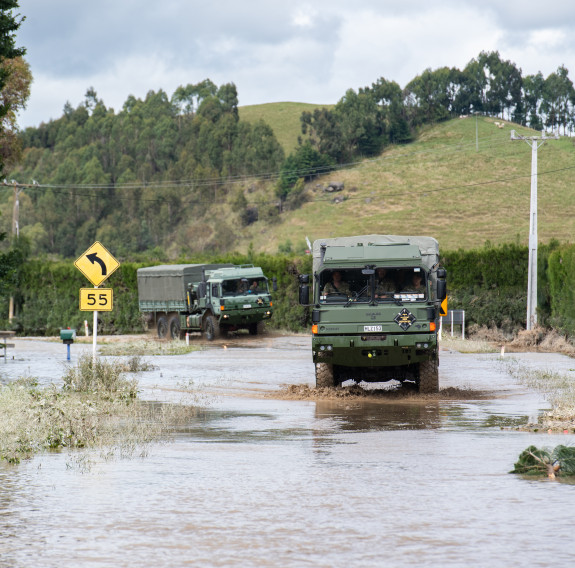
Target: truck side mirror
441	273
441	290
275	284
304	294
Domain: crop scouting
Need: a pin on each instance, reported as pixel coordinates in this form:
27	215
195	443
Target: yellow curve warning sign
96	264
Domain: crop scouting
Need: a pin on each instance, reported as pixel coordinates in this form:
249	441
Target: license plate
247	306
372	328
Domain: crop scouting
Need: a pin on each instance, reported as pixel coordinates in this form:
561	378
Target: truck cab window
258	286
340	285
215	291
412	285
243	286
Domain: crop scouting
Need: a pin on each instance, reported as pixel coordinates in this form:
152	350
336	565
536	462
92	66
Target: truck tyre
174	327
162	327
324	375
428	377
256	328
211	328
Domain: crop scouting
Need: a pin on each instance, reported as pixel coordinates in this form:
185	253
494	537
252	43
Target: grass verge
97	407
557	388
145	347
466	345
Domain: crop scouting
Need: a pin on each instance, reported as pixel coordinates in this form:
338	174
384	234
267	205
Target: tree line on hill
154	175
362	123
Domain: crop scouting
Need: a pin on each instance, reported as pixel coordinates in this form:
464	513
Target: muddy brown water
261	478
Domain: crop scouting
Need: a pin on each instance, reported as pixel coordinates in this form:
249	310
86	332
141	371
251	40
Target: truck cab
239	297
375	310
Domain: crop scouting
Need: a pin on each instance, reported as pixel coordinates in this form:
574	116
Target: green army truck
375	309
210	298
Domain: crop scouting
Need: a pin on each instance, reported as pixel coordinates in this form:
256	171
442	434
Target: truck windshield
405	284
344	285
243	286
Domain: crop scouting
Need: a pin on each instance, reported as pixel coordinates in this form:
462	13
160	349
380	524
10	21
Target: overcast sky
303	51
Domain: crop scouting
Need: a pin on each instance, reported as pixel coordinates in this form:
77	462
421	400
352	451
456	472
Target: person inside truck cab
337	285
384	285
416	282
254	288
242	286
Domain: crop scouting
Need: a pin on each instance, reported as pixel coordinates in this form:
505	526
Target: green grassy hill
282	117
442	185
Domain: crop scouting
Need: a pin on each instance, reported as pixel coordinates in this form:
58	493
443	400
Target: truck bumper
385	350
241	318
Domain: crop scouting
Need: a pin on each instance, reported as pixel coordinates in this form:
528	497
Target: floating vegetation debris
545	462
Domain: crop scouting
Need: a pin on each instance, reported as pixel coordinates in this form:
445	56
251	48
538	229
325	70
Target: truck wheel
428	377
324	375
256	328
211	328
174	327
162	327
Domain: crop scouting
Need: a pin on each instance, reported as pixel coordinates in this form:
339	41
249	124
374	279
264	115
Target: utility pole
534	142
16	235
476	133
16	210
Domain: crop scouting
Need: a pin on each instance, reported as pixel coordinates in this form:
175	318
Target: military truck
376	301
211	298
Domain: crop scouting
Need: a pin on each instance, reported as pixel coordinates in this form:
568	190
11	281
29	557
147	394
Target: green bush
561	276
489	283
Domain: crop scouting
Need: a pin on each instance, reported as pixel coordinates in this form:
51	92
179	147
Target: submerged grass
97	407
557	388
465	345
147	347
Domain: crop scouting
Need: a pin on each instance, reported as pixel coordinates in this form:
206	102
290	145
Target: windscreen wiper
356	295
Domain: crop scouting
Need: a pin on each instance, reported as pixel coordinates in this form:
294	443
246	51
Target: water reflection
363	416
224	426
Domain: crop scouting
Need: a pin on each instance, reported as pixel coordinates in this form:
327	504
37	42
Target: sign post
96	264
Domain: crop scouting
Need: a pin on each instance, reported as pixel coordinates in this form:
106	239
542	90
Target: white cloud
304	16
272	51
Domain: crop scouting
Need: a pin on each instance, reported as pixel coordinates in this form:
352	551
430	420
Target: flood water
256	480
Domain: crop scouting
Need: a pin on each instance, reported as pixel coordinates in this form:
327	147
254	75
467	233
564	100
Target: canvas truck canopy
168	282
428	247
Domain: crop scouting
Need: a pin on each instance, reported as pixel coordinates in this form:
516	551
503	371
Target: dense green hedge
489	283
561	281
48	297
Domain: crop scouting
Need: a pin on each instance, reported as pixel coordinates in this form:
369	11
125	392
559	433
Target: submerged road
268	476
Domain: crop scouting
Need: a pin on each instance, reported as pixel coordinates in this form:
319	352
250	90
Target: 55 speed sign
96	299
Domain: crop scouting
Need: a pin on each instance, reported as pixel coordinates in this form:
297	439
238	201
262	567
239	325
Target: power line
194	184
230	180
380	195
